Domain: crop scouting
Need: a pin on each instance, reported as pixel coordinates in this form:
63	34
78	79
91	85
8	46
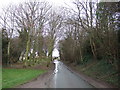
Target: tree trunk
27	51
93	50
8	52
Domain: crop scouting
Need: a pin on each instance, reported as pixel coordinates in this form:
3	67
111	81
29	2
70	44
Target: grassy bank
0	77
101	70
14	77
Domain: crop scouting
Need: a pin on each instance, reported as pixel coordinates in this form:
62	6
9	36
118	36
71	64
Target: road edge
94	82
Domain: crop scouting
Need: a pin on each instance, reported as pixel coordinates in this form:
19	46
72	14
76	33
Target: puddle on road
56	62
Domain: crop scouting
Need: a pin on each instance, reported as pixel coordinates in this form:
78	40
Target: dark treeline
93	32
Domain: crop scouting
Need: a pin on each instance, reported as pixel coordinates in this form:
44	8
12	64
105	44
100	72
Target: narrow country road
64	78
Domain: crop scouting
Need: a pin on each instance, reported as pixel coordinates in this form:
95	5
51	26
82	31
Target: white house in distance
55	53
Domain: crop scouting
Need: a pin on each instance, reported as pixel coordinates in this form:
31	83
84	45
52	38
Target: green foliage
0	77
14	77
102	70
36	61
87	59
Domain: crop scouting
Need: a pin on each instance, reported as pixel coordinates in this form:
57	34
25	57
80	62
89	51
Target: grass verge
0	77
101	70
14	77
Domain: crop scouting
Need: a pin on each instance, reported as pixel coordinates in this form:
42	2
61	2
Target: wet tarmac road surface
65	78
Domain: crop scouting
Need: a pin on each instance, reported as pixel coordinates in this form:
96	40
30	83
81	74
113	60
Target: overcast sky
4	3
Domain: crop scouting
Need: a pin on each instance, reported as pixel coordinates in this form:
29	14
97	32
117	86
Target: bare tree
54	27
30	21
